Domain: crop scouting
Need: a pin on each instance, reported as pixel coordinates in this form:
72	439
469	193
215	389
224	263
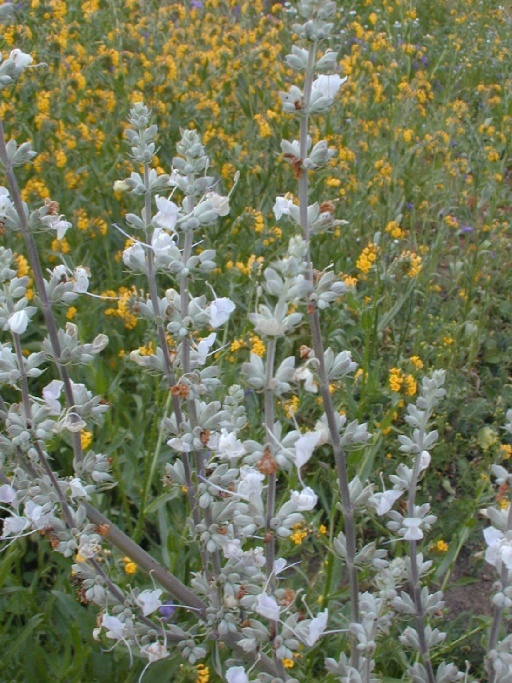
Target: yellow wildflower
367	258
257	345
203	673
396	379
130	567
85	439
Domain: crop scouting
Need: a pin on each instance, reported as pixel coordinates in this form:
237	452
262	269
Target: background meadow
422	176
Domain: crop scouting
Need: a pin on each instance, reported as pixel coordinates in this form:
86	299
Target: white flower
155	651
38	515
51	395
77	489
121	186
115	627
220	310
267	606
81	276
236	674
5	201
180	445
204	346
383	502
499	548
177	180
17	322
250	482
229	446
413	530
88	548
328	85
316	628
219	204
134	256
161	241
231	548
282	207
21	59
7	494
14	526
56	223
308	378
167	215
149	601
280	565
424	460
304	447
305	499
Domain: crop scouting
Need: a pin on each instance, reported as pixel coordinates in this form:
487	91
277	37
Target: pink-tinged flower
156	651
220	310
167	215
316	628
236	674
17	322
304	447
267	606
328	85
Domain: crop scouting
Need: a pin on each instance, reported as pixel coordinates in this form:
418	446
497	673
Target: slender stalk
270	547
37	271
25	396
314	321
413	551
269	418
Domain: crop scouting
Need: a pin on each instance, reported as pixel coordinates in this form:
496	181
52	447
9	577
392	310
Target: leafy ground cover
422	176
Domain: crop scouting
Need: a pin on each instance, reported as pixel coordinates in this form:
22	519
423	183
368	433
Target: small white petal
267	606
304	447
236	674
17	322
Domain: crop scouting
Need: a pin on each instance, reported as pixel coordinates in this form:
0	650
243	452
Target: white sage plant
248	485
